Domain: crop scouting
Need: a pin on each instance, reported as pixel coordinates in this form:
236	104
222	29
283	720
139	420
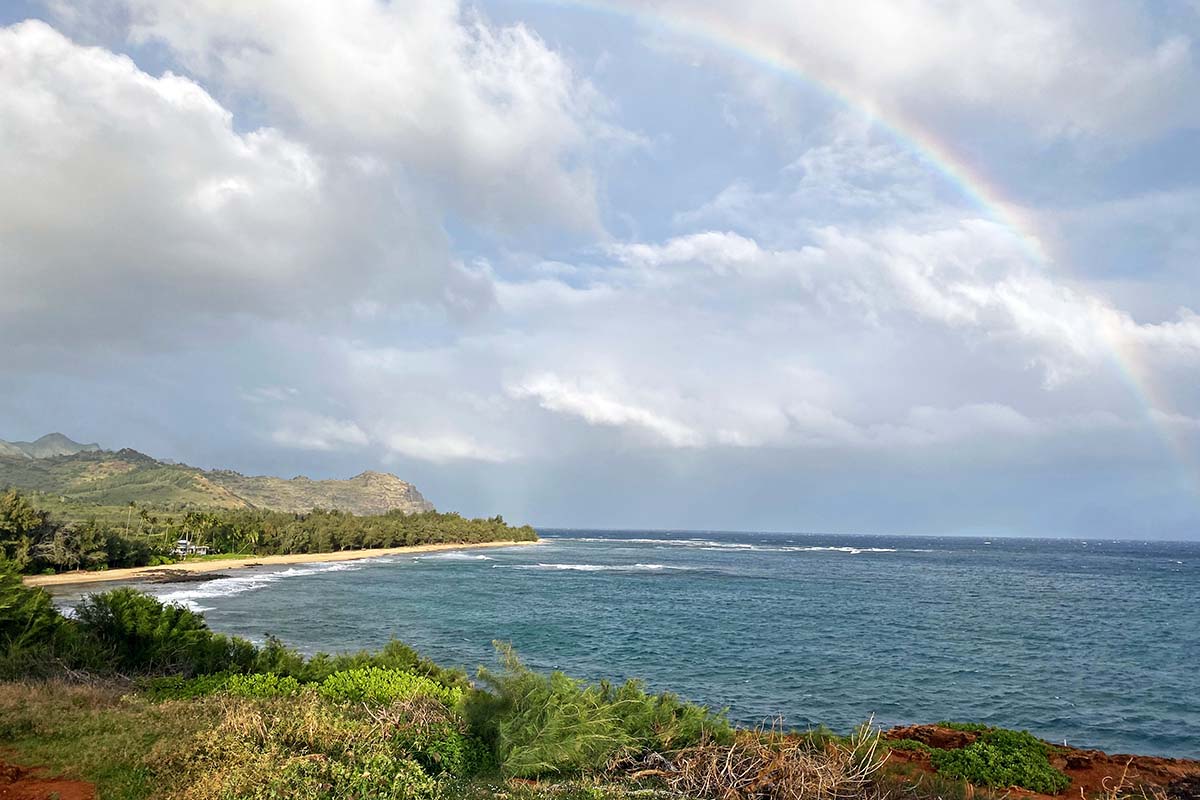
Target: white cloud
601	408
306	431
487	116
270	394
140	202
440	448
848	172
973	276
1098	68
878	340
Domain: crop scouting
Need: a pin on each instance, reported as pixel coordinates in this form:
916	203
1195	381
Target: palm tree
250	536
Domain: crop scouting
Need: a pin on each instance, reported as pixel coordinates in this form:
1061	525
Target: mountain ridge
52	444
87	475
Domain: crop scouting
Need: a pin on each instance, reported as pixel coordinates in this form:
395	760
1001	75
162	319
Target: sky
881	267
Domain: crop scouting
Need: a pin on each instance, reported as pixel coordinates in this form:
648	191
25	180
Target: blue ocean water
1095	643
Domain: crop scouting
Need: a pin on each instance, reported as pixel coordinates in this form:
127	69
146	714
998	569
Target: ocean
1096	643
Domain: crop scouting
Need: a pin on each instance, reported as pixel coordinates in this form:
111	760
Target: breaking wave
601	567
454	556
710	544
223	587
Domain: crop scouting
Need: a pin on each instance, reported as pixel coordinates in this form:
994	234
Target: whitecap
706	543
600	567
713	545
454	555
832	549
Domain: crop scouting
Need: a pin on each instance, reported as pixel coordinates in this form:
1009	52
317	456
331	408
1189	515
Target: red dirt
26	783
1092	772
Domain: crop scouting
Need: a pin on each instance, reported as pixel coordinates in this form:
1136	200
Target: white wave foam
709	544
664	542
454	555
224	587
600	567
851	550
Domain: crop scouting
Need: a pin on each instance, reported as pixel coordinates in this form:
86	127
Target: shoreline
221	565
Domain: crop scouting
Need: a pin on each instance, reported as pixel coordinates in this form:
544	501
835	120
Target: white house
184	547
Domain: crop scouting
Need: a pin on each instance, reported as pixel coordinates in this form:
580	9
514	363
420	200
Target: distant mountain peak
48	446
371	474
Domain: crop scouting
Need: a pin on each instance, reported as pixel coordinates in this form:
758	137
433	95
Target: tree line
34	541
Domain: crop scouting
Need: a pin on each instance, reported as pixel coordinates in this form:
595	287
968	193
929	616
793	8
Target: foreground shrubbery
554	724
1003	758
997	758
211	716
380	687
134	633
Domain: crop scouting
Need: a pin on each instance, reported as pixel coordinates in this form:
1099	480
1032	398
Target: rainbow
723	34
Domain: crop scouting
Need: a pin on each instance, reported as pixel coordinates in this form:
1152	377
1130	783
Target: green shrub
969	727
139	635
175	687
1003	758
907	744
32	632
556	725
262	684
395	655
27	614
663	722
276	657
379	686
543	724
378	776
438	743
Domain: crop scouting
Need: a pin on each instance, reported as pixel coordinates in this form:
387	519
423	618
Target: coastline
221	565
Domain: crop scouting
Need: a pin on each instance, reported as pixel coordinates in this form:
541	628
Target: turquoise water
1096	643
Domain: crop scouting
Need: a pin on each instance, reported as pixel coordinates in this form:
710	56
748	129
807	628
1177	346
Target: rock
934	736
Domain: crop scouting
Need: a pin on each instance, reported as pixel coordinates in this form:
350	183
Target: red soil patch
25	783
1092	772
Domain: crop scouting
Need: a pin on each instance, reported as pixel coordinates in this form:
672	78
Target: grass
303	745
92	733
904	782
223	746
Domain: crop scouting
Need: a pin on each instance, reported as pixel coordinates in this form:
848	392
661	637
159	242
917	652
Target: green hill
77	479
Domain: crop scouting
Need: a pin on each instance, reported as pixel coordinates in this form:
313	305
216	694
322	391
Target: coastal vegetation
36	541
1003	758
993	757
144	700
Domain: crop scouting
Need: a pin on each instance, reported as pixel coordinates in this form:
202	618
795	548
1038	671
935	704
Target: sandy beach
228	564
